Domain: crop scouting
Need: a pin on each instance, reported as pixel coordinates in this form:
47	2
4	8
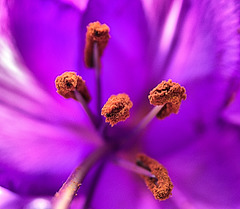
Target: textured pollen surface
169	94
161	186
68	82
96	33
117	108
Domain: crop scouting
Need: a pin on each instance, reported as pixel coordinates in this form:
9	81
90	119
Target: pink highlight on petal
7	198
80	4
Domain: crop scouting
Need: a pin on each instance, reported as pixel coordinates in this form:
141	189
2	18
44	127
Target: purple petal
122	189
208	171
46	34
41	141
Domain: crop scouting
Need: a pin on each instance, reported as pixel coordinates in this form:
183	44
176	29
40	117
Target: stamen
97	37
68	83
64	197
96	33
166	97
161	186
98	78
117	108
170	95
148	118
133	168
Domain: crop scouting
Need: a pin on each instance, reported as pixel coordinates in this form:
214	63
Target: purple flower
43	137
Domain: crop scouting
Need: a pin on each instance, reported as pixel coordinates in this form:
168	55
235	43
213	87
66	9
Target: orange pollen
69	82
117	108
161	186
169	94
96	33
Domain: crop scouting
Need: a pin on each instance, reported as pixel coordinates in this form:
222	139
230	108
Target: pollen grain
117	108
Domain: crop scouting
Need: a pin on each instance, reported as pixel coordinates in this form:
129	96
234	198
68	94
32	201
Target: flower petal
9	199
46	34
122	189
208	171
38	136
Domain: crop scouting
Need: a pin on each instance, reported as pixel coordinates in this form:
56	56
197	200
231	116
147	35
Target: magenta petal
232	110
38	136
9	199
46	34
122	189
208	171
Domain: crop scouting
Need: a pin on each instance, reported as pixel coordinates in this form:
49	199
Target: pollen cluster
169	94
117	108
69	82
96	33
161	186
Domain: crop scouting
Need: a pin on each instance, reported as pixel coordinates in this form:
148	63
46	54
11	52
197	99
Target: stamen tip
169	94
96	33
69	82
117	108
161	186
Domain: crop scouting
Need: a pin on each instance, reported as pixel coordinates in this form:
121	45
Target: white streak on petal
209	41
170	26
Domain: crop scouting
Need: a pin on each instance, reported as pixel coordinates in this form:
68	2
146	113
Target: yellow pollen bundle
69	82
169	94
117	108
96	33
161	186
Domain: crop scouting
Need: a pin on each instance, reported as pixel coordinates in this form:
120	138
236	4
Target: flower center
166	98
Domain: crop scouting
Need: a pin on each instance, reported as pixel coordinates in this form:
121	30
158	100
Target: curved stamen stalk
133	167
64	197
148	118
88	111
98	78
166	98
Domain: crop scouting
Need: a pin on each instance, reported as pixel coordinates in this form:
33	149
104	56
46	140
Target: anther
96	33
117	108
68	83
161	186
170	95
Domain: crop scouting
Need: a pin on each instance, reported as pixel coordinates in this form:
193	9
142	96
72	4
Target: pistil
64	197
